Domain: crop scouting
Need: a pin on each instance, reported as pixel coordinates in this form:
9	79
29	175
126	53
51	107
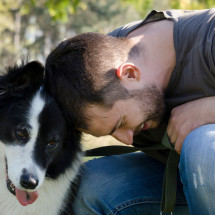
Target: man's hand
187	117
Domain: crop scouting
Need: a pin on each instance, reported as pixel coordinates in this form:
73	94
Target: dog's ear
18	78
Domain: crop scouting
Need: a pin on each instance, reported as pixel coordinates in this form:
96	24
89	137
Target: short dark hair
82	70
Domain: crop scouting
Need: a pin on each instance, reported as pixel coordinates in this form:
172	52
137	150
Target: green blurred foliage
59	10
34	27
141	6
192	4
101	16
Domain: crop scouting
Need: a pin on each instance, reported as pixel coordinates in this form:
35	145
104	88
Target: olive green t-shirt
194	74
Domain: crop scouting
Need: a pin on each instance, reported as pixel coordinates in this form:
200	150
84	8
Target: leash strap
170	177
170	182
110	150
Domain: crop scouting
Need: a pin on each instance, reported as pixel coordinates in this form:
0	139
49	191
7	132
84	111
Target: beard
152	103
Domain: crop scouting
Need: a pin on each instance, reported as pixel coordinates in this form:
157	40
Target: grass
90	142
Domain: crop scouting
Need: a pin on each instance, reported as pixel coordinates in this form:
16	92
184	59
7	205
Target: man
146	83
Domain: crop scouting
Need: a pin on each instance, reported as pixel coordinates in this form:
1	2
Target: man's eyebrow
115	127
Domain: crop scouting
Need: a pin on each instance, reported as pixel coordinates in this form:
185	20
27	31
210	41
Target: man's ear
128	71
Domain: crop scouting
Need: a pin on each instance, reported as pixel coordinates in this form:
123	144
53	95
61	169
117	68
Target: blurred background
32	28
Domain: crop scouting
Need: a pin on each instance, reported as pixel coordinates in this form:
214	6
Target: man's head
95	72
82	70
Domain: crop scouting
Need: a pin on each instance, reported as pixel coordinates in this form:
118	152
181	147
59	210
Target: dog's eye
52	144
22	134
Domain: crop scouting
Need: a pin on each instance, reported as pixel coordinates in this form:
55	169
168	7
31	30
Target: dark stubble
152	103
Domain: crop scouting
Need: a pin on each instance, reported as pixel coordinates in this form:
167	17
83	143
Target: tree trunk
17	29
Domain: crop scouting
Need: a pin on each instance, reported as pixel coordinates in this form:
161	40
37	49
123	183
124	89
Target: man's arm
187	117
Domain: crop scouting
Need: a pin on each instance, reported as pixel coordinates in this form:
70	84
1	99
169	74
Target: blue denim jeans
197	170
131	184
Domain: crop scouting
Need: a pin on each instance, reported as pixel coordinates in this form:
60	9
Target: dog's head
36	139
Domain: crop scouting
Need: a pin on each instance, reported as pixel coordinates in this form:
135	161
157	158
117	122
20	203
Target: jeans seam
139	201
133	202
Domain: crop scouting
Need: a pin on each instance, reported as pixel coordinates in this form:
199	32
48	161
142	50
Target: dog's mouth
24	197
10	185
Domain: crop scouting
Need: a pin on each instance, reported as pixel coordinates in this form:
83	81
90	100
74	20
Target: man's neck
158	57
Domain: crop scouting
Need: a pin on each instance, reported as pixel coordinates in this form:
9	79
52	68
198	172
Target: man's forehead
98	111
100	121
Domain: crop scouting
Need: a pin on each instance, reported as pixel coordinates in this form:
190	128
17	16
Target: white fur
52	193
20	156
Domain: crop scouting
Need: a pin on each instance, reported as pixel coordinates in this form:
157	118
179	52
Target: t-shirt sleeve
124	30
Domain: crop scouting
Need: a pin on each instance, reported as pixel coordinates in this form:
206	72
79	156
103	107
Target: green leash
170	178
110	150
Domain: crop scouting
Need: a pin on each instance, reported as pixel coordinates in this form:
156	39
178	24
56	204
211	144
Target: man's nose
124	136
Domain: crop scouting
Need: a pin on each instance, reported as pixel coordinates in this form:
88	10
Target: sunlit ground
90	141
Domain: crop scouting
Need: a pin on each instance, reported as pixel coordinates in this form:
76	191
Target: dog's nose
28	181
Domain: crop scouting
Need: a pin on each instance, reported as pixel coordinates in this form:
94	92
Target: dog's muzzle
28	182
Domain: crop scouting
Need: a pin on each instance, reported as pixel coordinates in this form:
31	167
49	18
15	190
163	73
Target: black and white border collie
40	154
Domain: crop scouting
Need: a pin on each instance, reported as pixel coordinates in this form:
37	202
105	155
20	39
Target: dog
40	154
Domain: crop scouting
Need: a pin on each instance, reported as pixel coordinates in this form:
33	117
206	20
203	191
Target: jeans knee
197	156
199	144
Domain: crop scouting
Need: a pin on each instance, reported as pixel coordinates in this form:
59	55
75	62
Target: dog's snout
28	181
